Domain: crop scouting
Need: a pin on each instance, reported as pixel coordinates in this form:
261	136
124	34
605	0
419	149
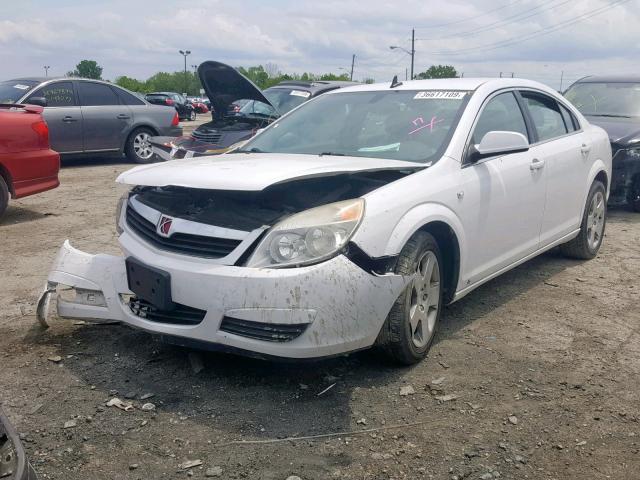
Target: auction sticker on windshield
441	95
300	93
21	87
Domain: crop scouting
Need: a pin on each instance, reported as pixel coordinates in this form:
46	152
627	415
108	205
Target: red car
27	163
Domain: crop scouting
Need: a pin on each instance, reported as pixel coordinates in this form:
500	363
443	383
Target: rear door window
546	116
96	94
127	98
570	120
58	94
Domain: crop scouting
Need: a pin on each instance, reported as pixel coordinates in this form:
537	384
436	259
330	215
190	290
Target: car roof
629	78
466	84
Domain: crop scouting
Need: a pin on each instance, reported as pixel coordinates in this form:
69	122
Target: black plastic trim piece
378	266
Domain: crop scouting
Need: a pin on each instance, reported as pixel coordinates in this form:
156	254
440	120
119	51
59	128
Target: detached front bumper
326	309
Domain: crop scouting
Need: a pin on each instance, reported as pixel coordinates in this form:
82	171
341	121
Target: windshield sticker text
440	95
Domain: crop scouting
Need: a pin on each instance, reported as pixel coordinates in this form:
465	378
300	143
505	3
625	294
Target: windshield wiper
333	154
251	150
609	115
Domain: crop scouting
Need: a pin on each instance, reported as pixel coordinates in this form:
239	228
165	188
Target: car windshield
283	99
12	91
606	99
414	126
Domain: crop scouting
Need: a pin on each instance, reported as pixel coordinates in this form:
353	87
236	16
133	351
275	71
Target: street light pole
411	53
46	70
185	53
353	61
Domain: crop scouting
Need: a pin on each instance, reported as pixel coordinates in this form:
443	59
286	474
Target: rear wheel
413	320
138	147
192	115
586	245
4	196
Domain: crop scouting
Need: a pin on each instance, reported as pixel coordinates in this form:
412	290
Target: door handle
585	149
123	116
68	119
536	164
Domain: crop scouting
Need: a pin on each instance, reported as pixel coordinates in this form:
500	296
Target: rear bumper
14	464
337	306
32	172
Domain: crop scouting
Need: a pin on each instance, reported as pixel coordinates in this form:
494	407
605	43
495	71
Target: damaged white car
349	222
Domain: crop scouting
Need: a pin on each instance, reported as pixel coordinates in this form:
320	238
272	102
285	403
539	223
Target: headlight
121	203
634	152
309	236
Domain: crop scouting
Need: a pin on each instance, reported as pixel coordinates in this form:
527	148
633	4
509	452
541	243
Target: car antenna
395	83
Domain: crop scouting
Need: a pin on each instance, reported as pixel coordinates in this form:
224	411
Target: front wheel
587	244
192	115
4	196
138	148
412	323
634	194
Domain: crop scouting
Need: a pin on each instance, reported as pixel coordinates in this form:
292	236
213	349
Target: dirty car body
293	245
239	109
613	103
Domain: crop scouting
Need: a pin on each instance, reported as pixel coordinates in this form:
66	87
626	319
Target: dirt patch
534	375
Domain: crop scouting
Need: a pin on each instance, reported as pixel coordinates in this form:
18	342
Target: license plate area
150	284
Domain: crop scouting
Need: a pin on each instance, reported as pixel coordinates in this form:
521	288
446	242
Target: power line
505	21
535	34
488	12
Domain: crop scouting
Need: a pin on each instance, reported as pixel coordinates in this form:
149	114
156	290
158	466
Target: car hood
224	85
620	130
252	171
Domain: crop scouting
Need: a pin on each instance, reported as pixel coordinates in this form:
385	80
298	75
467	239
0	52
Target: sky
542	40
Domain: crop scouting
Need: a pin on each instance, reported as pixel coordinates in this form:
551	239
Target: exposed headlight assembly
121	203
310	236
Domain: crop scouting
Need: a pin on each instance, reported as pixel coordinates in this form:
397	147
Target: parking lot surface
534	375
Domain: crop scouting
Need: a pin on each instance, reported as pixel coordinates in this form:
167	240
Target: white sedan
349	222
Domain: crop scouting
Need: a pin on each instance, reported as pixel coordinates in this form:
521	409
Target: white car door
503	197
565	150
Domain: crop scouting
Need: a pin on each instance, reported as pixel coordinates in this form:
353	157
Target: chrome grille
184	243
207	136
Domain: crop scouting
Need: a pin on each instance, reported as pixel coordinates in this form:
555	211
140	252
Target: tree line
264	76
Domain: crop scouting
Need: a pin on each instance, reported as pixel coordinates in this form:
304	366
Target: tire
137	148
4	196
587	244
192	115
634	194
402	339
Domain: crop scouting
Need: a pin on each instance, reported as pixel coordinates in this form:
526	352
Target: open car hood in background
224	85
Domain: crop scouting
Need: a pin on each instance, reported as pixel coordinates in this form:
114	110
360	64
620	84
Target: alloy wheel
424	299
142	146
595	220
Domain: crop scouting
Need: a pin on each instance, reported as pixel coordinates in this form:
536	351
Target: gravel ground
534	375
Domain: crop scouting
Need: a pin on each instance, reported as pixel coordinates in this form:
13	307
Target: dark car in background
613	103
239	110
185	110
91	116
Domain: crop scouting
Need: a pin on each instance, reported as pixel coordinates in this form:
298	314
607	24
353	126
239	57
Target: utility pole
561	78
46	70
185	53
353	61
406	74
413	49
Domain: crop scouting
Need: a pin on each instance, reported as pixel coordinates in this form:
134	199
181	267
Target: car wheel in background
138	148
4	196
192	115
586	245
634	194
412	323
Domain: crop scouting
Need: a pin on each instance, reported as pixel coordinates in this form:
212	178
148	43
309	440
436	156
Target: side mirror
41	101
497	142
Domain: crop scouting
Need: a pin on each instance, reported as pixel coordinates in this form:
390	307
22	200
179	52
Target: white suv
350	221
